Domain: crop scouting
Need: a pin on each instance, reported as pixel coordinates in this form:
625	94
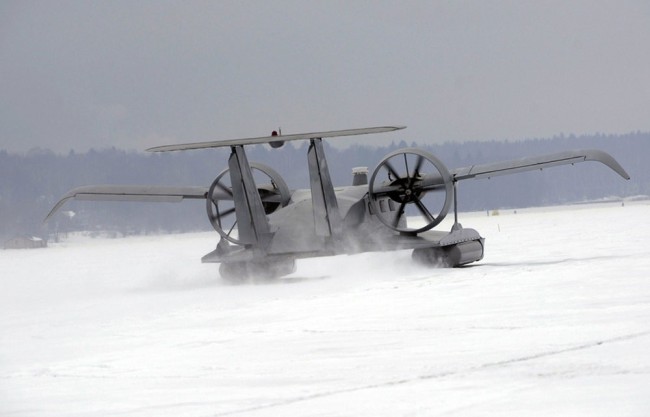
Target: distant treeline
30	184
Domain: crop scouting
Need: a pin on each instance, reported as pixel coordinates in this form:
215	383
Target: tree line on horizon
31	183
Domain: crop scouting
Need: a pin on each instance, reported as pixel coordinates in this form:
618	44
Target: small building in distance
25	242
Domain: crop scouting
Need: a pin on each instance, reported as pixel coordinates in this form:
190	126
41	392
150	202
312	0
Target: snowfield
554	321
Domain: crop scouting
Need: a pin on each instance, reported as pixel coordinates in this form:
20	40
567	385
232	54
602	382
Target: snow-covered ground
555	321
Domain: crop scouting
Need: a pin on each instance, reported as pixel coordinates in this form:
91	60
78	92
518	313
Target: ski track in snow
554	321
439	375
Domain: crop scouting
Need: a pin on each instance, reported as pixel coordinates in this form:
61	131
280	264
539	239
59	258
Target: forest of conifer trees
31	183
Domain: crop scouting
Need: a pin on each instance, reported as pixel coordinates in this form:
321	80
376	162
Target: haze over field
554	321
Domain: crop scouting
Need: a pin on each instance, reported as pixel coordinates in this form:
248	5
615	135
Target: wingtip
56	207
607	159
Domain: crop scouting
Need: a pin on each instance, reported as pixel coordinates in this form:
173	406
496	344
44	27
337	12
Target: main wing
538	162
271	139
146	193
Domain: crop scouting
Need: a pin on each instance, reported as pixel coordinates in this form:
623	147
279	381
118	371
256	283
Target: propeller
220	204
410	180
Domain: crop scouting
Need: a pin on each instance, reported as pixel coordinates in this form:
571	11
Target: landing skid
264	270
456	248
450	256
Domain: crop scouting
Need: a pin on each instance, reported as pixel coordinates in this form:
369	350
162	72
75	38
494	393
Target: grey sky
82	74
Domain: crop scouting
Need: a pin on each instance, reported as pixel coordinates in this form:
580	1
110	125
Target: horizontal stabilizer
145	193
538	162
270	139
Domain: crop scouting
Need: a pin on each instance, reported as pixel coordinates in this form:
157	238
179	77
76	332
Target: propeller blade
432	187
416	171
424	211
386	189
418	165
406	165
225	213
224	189
399	214
232	227
391	170
428	182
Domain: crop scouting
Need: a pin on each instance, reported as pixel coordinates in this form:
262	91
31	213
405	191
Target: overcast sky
134	74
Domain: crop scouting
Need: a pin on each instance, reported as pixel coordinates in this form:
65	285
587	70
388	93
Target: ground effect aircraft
264	226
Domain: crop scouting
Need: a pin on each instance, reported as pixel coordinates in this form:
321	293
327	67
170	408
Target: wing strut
327	219
252	224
